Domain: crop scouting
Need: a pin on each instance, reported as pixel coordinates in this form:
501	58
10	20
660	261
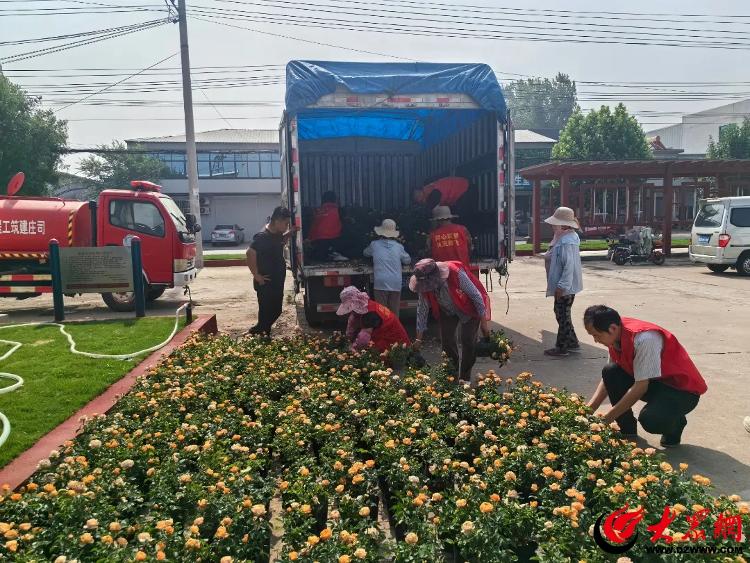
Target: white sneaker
746	423
336	257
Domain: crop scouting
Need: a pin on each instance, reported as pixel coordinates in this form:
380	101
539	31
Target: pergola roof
634	168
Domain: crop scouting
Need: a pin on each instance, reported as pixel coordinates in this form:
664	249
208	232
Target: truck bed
362	266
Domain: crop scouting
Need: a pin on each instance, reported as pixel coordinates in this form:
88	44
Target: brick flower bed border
20	469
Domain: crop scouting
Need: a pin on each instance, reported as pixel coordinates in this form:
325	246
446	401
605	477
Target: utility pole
187	100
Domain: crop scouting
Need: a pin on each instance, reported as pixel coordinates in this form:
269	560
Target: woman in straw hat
564	277
388	256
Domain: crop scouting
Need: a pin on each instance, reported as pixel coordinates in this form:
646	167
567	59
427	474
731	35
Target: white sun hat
387	229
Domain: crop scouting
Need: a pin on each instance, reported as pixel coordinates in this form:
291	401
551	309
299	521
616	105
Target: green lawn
56	382
599	244
227	256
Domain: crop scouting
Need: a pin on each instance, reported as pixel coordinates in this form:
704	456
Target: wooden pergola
633	174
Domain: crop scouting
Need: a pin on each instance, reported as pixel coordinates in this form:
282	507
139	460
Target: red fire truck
28	223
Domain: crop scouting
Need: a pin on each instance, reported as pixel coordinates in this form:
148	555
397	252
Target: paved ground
707	312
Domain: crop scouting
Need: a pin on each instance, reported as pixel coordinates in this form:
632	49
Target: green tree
541	103
602	135
32	140
734	142
116	167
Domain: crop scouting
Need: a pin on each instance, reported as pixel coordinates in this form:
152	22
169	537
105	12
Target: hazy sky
213	45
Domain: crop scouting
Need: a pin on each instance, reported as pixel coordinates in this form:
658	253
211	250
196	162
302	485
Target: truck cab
167	237
29	223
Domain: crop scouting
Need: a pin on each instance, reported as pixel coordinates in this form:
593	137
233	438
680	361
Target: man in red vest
648	364
325	232
460	303
448	241
370	322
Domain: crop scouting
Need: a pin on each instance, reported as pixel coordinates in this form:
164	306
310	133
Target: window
711	215
175	161
204	165
266	165
224	164
138	216
740	217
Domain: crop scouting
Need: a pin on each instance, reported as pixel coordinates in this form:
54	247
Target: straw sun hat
564	217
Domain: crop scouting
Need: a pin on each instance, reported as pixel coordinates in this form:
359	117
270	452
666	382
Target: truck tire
120	302
153	292
743	264
125	302
312	316
718	268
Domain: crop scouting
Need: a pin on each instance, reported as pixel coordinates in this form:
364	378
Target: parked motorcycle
635	246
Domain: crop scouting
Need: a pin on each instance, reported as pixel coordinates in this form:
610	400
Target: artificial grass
228	256
601	244
58	383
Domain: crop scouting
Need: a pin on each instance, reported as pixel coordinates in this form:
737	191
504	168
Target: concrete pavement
706	311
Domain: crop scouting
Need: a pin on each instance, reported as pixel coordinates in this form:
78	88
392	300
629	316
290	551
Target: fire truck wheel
154	292
120	302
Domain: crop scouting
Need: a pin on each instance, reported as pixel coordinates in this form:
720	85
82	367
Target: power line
69	36
116	83
82	42
504	24
319	43
415	30
290	16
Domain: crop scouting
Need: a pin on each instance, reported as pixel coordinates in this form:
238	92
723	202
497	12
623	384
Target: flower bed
186	467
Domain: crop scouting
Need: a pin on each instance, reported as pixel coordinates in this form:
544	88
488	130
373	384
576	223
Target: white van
721	235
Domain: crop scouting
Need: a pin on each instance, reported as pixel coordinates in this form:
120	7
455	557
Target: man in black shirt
265	258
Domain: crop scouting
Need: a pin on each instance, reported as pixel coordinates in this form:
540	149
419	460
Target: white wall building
238	175
694	133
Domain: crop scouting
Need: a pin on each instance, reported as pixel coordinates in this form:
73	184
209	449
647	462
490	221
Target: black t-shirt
269	249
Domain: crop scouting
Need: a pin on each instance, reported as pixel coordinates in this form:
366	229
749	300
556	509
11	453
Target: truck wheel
312	316
718	268
121	302
743	264
154	292
124	302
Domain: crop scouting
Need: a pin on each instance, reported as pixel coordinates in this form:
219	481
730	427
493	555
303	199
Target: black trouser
566	334
665	408
449	325
270	303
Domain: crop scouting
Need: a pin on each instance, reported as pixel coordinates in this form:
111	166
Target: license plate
703	239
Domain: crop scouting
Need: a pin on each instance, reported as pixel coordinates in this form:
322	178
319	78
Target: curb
23	467
588	257
223	263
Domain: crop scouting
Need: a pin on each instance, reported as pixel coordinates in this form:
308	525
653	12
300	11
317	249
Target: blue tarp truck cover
308	81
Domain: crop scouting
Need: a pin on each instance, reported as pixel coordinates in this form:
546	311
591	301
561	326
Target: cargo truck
375	134
27	224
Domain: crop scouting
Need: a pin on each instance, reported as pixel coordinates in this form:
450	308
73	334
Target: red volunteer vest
677	369
451	189
461	300
326	224
390	332
450	242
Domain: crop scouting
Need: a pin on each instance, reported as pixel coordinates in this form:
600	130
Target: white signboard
96	270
